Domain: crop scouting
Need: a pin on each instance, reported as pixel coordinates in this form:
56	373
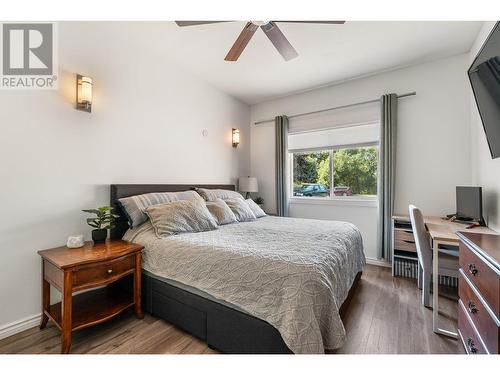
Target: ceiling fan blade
318	22
279	41
196	23
242	41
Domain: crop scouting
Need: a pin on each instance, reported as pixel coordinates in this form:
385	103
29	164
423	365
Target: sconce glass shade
236	137
83	93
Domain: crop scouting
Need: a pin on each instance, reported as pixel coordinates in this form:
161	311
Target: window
349	171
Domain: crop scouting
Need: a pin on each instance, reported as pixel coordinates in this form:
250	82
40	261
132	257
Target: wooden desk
442	232
445	230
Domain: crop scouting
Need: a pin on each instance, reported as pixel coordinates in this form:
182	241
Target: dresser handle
472	307
470	346
110	271
473	269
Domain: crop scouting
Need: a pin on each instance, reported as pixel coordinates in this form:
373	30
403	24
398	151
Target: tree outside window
354	172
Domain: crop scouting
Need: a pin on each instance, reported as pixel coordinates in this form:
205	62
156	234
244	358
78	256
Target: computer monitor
470	204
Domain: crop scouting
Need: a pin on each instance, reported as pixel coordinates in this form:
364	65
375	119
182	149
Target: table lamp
248	185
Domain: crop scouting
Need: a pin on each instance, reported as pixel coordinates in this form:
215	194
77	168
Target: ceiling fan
270	28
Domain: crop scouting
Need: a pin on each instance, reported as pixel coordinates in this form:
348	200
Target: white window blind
363	113
348	126
318	139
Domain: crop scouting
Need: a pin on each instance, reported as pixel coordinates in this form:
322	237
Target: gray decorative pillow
135	206
179	217
221	212
257	211
212	194
240	209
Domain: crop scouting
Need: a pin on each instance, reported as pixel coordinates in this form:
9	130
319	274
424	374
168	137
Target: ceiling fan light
260	23
270	28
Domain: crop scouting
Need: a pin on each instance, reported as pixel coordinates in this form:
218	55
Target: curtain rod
333	108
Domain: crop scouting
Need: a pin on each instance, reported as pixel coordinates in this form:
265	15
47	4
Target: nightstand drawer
102	273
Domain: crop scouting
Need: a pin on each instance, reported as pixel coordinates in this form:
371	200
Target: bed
274	285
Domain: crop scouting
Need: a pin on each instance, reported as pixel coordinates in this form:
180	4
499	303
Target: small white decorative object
75	241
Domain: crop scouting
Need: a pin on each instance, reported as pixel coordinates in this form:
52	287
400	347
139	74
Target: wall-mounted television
484	75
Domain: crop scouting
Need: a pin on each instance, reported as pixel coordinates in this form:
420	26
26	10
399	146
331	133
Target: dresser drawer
403	235
405	245
103	272
482	276
470	339
478	313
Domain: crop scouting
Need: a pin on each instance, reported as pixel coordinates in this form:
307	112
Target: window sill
339	201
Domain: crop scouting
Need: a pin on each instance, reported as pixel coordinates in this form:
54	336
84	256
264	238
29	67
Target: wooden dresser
479	291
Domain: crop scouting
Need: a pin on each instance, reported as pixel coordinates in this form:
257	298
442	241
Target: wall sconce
236	137
83	93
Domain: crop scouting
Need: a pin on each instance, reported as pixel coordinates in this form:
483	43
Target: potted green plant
103	220
259	201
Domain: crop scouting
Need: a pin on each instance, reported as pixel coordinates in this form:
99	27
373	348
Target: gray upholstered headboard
127	190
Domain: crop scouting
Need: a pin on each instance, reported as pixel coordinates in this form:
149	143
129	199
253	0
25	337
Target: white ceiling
327	53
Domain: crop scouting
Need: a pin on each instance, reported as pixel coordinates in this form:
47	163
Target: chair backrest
422	239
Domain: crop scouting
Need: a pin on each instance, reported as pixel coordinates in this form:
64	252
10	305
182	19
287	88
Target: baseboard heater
405	267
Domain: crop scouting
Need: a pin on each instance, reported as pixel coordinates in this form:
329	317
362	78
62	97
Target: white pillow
180	216
221	212
241	209
257	211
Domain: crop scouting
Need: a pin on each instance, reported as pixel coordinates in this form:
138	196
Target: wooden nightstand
91	266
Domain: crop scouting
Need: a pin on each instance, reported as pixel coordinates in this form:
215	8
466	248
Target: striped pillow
135	206
211	195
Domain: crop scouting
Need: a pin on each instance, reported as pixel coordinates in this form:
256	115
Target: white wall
433	147
485	170
145	127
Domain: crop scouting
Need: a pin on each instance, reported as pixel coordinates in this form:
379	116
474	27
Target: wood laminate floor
385	317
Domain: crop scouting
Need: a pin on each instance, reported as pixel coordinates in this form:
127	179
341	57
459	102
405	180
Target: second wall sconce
83	93
236	137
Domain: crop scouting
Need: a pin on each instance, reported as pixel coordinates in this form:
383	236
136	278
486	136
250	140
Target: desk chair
448	261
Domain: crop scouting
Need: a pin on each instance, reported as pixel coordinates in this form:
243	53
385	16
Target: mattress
292	273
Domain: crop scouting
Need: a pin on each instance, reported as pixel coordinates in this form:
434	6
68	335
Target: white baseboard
378	262
19	326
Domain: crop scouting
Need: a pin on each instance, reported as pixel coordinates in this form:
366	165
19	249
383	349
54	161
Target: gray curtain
386	175
281	128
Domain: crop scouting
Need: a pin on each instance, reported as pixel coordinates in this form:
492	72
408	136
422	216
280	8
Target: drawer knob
473	269
470	346
110	271
472	307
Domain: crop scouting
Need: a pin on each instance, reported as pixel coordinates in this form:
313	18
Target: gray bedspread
293	273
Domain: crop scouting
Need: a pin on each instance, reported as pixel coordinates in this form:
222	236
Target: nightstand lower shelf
93	307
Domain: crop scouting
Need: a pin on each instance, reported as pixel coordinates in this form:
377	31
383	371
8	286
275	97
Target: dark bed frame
221	327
